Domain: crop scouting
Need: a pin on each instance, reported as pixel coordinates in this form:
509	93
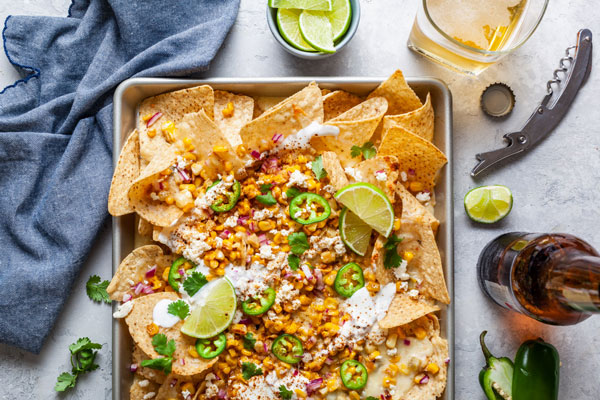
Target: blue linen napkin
56	135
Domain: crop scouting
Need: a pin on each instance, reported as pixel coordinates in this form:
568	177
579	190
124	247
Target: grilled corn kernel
432	368
327	257
190	156
418	378
165	274
266	225
354	395
408	256
228	111
397	224
152	329
228	166
170	200
374	355
416	186
156	284
300	393
147	117
420	333
240	150
387	382
189	386
187	207
392	370
395	359
332	385
330	278
190	187
391	340
373	286
240	329
219	149
404	369
192	351
151	133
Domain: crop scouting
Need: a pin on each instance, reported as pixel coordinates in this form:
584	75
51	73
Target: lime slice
213	308
369	204
340	17
288	24
354	232
316	5
488	204
315	29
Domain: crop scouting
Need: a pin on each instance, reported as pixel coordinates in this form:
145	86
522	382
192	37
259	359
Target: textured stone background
556	187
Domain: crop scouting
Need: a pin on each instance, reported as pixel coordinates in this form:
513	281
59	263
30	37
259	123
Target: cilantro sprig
317	168
249	341
293	261
266	197
298	243
392	259
162	347
194	283
367	150
249	370
83	354
285	393
96	290
292	192
179	308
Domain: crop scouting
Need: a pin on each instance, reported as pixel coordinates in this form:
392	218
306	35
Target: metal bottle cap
497	100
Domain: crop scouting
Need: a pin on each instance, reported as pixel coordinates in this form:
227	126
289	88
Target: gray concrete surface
556	187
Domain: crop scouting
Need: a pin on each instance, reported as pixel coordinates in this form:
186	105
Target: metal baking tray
131	92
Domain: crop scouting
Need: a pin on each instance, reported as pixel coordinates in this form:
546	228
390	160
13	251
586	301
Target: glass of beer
470	35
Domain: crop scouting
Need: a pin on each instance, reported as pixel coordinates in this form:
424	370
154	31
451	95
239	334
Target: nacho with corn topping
253	287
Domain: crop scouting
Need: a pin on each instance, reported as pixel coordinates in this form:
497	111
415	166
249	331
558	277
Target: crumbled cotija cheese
297	178
400	271
381	176
423	197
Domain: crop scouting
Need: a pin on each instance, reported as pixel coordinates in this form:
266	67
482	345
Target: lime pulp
369	204
488	204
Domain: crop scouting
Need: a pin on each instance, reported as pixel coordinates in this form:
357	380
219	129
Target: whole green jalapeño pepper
174	275
288	348
232	197
260	304
497	375
210	348
315	206
536	371
349	279
354	380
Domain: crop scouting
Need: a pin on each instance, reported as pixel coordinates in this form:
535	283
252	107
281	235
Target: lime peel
488	204
370	204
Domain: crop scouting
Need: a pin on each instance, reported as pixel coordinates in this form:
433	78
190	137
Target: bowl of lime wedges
313	28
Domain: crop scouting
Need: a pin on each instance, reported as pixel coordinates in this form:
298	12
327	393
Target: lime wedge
316	5
488	204
369	204
288	24
340	17
315	29
213	308
354	232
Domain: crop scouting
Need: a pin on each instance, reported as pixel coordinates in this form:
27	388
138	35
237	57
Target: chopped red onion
262	239
225	234
151	272
153	119
329	361
184	175
137	289
182	361
380	171
173	383
265	348
313	385
161	186
133	367
447	361
222	395
245	321
295	373
243	220
127	297
411	172
181	272
424	379
252	226
406	342
277	137
148	290
307	272
319	275
255	154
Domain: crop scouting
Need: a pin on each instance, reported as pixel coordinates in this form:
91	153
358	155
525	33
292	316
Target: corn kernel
397	223
187	207
228	110
391	340
190	156
416	187
193	352
354	395
240	329
404	369
165	274
190	187
189	386
408	256
332	385
387	382
220	149
228	166
374	355
266	225
152	329
147	117
327	257
418	378
166	172
240	150
432	368
151	133
170	200
420	333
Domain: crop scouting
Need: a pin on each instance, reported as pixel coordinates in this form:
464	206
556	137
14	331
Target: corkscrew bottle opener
562	89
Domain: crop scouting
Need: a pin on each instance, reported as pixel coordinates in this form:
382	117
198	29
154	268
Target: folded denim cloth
56	135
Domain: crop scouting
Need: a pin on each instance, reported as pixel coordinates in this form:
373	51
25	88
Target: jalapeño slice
232	196
210	348
260	304
349	279
312	204
174	274
354	375
288	348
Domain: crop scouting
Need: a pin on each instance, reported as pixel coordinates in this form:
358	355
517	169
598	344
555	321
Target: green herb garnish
392	258
96	290
179	309
317	168
250	369
293	262
194	283
165	348
367	151
83	355
249	341
298	243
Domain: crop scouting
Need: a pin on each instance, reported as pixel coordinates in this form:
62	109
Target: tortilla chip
134	267
404	309
338	102
286	118
171	388
243	107
205	135
356	127
426	265
263	103
144	372
413	152
126	172
325	92
156	212
413	210
173	106
420	121
141	316
145	228
382	274
142	392
368	169
335	172
401	98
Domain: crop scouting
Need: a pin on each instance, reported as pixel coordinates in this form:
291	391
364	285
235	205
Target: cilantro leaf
371	398
292	192
266	199
317	168
293	262
96	290
159	341
285	393
367	150
250	369
65	381
298	243
265	187
392	259
83	343
164	364
194	283
179	308
249	341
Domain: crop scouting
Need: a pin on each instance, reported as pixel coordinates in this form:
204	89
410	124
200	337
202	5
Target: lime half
488	204
288	24
355	233
369	204
315	29
340	17
213	308
316	5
